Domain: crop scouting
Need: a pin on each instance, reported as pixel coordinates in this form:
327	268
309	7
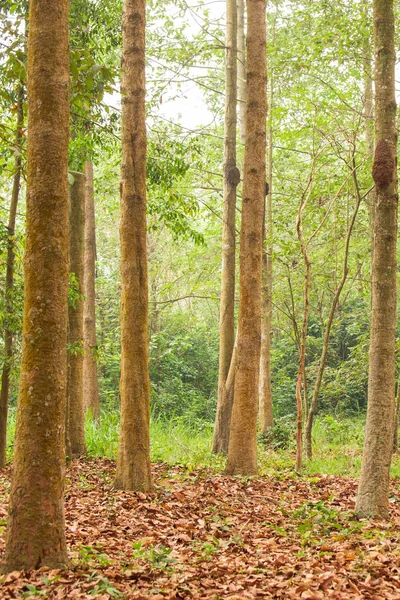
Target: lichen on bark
36	529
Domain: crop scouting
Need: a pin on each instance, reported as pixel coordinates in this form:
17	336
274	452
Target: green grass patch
337	445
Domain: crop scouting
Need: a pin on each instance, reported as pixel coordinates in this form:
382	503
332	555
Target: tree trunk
322	363
224	411
241	68
133	463
76	413
396	420
90	378
372	496
266	412
36	530
9	285
231	179
242	452
369	125
301	374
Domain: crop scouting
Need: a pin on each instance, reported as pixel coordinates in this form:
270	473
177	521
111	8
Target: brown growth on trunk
36	531
384	163
133	463
76	414
242	452
231	180
373	490
90	378
9	286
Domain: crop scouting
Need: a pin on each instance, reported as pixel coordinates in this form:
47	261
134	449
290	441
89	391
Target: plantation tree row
310	217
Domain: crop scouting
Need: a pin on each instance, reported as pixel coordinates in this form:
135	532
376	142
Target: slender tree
36	532
9	285
372	496
301	380
369	127
133	463
396	420
242	452
241	69
335	301
231	180
266	412
90	378
369	110
75	413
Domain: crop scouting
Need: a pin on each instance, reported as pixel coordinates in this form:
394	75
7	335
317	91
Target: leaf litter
204	535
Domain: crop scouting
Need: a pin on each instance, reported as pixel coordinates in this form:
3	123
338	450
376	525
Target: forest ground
203	535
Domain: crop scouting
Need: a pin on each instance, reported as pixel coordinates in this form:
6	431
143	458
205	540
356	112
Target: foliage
281	435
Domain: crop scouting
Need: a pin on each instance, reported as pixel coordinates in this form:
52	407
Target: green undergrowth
337	445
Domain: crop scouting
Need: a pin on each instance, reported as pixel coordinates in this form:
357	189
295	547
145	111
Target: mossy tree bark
76	414
231	180
133	463
242	452
9	284
373	489
36	531
90	377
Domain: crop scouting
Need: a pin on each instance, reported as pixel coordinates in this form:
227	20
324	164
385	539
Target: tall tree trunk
76	413
335	301
372	496
9	286
231	179
301	382
266	412
133	463
396	420
369	116
242	452
241	68
90	378
36	530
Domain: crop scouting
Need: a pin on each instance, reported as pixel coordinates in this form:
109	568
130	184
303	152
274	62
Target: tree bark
396	420
9	284
369	124
90	377
133	463
224	411
36	530
324	354
373	489
241	68
242	452
231	179
301	382
266	409
76	413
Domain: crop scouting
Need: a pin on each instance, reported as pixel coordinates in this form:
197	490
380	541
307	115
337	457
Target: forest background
319	69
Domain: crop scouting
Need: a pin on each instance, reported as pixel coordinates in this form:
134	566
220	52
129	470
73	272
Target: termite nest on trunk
233	175
384	163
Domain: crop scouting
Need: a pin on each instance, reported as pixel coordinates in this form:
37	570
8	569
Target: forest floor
204	535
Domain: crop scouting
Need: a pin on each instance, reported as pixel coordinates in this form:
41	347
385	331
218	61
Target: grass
337	445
